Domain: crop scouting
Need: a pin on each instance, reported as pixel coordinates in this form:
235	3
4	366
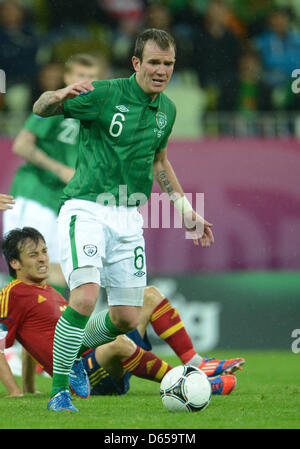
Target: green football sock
68	339
99	330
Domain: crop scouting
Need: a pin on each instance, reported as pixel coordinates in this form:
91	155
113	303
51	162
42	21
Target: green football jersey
121	131
58	138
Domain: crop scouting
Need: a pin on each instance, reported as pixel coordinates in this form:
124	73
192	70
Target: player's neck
151	95
37	283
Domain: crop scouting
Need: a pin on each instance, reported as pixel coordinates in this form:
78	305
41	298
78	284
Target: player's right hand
6	201
72	91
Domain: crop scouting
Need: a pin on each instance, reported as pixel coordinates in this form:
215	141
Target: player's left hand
199	229
66	174
71	91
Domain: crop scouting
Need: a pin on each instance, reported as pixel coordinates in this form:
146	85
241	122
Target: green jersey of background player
49	146
125	125
57	138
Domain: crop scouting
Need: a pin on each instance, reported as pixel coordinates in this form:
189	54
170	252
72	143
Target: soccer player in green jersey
49	147
125	126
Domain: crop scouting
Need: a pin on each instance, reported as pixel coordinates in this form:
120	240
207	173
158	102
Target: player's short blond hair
86	60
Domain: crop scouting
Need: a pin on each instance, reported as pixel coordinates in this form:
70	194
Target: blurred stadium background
236	140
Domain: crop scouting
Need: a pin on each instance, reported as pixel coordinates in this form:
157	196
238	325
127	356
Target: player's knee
152	296
126	322
88	304
122	346
84	297
88	292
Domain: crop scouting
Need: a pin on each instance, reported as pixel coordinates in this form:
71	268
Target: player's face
155	70
33	264
80	72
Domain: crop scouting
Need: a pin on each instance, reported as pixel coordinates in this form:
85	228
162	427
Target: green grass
267	397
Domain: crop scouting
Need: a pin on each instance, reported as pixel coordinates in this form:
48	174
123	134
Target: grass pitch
267	397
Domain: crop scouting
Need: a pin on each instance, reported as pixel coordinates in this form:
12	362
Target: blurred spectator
252	93
252	13
74	27
18	51
235	24
50	77
159	15
125	19
279	47
251	96
216	52
120	11
123	39
76	13
18	46
294	8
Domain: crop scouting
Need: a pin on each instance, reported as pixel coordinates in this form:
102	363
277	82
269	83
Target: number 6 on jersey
116	126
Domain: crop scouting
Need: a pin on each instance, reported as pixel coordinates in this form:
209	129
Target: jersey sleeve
88	106
39	126
11	314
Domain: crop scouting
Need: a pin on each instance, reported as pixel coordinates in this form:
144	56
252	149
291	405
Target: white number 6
117	124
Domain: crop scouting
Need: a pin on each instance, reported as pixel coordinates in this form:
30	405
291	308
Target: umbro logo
122	108
139	273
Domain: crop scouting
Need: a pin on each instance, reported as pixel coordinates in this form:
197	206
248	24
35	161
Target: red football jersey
30	314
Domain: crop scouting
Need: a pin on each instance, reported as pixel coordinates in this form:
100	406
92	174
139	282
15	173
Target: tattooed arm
165	176
25	147
50	102
168	182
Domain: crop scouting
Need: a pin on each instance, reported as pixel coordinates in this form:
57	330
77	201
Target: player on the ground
125	126
29	265
50	148
30	308
6	201
131	353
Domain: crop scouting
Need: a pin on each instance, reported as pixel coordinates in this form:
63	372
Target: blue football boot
61	402
79	380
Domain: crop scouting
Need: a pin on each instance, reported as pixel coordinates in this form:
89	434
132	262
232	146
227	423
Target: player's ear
15	264
136	63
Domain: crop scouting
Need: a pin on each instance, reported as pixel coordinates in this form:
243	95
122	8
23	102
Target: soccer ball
185	389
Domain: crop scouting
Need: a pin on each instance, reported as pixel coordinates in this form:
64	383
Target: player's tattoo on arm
43	108
166	177
164	182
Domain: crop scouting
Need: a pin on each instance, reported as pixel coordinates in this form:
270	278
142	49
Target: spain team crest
161	120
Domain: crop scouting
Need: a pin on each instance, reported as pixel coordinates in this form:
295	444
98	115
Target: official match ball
185	389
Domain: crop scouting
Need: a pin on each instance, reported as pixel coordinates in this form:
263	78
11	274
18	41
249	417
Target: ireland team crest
161	120
90	250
